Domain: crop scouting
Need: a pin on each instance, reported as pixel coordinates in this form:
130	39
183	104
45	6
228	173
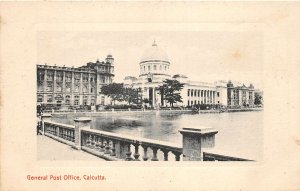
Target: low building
62	87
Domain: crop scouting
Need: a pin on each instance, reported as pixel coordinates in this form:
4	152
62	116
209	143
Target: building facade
240	95
63	87
154	69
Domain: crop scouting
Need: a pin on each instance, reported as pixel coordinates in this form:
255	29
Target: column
72	88
54	85
45	87
80	91
89	89
80	123
194	139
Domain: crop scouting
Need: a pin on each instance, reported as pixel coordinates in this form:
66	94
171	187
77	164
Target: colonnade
196	96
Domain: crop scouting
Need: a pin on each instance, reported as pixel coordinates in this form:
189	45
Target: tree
257	99
114	91
131	96
170	91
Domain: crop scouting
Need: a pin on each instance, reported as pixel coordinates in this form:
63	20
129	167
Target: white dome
154	53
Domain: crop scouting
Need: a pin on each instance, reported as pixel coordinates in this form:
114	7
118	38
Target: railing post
45	117
194	139
80	123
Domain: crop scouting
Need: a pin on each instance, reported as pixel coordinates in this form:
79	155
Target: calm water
240	133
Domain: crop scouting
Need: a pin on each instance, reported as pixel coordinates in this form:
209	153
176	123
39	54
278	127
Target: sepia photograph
151	95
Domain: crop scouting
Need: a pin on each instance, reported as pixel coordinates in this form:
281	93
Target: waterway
239	134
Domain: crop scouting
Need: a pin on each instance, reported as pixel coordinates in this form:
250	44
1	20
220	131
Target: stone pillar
121	149
194	139
80	122
45	117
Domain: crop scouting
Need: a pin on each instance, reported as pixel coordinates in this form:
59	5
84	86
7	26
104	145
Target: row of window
155	67
68	78
67	88
201	93
40	98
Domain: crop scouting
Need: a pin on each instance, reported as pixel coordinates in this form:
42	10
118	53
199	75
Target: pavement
49	149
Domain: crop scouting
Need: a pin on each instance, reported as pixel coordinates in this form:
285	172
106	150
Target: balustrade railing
62	131
113	146
121	146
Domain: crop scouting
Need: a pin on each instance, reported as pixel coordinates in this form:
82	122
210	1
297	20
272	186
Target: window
76	97
148	68
49	76
49	98
144	68
68	88
76	88
68	77
218	94
102	79
49	87
102	100
84	89
67	102
59	77
92	90
165	67
188	93
40	98
154	67
85	78
160	67
58	87
76	102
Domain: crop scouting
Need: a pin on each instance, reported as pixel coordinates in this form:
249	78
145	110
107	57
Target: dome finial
154	43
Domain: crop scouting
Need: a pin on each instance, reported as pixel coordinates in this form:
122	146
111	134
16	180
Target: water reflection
238	132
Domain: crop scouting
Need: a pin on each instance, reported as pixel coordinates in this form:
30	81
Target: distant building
68	86
154	69
240	95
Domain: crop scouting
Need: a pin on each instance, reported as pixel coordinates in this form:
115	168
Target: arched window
148	68
154	67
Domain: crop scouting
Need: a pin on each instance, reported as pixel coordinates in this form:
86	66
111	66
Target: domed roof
154	53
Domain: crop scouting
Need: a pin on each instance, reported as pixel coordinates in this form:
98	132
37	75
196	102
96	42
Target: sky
201	55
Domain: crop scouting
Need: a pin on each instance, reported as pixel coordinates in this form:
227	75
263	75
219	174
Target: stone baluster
72	135
93	142
88	141
136	152
107	147
113	149
177	155
69	135
102	145
165	154
97	144
154	156
128	153
145	157
57	131
194	139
